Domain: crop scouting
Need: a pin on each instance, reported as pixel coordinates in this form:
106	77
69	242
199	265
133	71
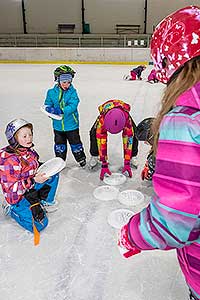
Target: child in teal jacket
63	100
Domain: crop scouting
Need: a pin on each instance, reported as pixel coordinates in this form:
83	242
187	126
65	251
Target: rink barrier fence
75	55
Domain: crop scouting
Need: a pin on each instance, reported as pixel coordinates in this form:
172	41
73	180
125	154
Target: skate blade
94	168
51	208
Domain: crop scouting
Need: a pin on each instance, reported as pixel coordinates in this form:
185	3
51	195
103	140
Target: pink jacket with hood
172	219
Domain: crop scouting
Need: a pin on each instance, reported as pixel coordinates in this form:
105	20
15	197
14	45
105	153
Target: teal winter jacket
68	101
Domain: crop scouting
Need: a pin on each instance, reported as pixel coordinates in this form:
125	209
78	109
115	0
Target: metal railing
75	40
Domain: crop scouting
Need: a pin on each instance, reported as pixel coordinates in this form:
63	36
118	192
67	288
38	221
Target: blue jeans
21	211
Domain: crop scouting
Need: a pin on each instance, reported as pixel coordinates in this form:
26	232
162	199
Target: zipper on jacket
75	119
62	106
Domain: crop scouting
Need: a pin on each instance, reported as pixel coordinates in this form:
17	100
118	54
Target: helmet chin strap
20	146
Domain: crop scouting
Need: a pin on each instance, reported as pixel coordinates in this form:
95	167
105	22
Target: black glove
33	198
44	192
37	212
34	195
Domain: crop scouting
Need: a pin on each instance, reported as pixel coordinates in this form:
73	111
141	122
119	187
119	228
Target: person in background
114	117
26	192
144	133
152	77
171	220
63	100
135	73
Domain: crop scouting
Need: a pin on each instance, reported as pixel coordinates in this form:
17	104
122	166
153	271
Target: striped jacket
101	132
15	176
172	219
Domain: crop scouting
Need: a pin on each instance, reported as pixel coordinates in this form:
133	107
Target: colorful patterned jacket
101	132
15	176
172	219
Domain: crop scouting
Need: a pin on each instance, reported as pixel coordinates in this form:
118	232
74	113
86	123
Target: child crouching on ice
114	117
152	77
24	190
135	73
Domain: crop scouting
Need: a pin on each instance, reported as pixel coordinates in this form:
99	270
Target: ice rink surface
77	258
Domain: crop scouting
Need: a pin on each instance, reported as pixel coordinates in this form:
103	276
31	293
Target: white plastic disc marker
115	179
131	197
119	217
52	166
105	193
53	116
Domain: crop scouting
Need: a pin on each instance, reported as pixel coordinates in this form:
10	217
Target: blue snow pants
21	211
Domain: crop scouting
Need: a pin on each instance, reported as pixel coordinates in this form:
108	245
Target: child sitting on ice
26	192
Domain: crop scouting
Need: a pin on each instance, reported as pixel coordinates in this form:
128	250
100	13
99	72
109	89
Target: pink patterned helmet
115	120
175	41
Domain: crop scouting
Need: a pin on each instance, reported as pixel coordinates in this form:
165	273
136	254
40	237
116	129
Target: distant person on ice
114	117
152	77
171	220
63	100
26	192
135	73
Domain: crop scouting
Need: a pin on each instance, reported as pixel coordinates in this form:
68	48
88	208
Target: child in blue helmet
63	100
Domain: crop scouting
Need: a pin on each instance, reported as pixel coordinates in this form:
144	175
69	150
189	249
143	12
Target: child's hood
105	107
191	97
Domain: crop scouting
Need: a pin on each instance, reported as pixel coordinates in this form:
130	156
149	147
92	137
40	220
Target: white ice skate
6	208
126	77
93	162
134	162
50	206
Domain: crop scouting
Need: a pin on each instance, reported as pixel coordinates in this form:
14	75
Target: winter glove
146	174
124	245
127	168
33	196
53	110
104	170
37	212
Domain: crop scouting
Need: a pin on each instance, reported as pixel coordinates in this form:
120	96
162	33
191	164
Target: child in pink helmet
171	220
114	117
